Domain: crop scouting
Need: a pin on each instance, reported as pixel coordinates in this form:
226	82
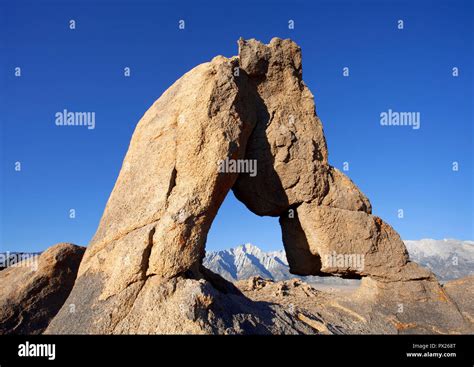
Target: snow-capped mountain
448	259
246	261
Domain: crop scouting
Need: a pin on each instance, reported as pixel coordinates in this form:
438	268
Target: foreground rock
374	308
181	305
142	272
33	291
461	291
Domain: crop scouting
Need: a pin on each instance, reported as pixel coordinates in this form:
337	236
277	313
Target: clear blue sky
82	70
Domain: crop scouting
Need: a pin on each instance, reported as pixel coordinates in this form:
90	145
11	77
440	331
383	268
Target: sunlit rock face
143	273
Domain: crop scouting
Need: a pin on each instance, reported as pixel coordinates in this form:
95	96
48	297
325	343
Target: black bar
156	350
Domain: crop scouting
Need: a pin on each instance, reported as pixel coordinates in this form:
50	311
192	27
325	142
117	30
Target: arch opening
242	245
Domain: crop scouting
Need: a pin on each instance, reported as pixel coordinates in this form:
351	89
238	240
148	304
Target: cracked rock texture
288	141
143	273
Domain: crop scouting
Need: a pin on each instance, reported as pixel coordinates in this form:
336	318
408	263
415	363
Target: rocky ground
208	304
348	310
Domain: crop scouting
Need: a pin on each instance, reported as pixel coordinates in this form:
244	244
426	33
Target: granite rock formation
143	273
33	290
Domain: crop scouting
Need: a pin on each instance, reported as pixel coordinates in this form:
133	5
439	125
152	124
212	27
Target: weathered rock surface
142	272
344	194
351	242
293	172
157	218
181	305
33	291
407	306
288	140
461	291
412	307
169	189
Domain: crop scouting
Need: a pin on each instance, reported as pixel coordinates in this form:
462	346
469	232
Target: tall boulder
288	141
141	272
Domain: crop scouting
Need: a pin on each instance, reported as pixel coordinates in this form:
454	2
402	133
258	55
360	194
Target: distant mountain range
248	260
448	259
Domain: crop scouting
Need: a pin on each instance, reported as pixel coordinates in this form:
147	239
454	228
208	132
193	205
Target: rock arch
143	266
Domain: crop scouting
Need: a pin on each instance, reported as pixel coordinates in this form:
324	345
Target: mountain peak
248	260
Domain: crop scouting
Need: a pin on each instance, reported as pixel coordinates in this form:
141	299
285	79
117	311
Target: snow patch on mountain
447	259
245	261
